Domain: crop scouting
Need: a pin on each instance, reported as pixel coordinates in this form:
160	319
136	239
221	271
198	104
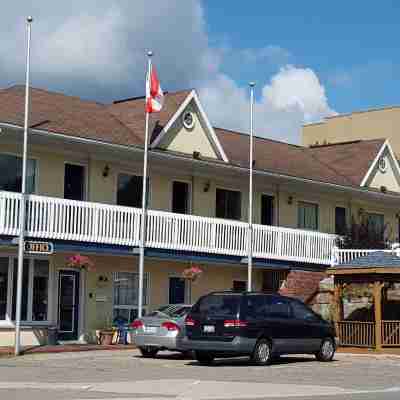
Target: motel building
85	165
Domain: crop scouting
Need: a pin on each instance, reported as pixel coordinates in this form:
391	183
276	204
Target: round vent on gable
188	120
382	164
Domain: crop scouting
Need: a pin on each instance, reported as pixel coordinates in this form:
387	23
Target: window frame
346	216
132	173
36	159
146	303
85	178
228	189
311	203
8	322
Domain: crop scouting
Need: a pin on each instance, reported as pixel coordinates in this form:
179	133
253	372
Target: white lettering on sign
39	247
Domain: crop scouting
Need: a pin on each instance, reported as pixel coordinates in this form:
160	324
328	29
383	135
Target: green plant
356	291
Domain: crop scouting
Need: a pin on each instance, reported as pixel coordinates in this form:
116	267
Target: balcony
59	219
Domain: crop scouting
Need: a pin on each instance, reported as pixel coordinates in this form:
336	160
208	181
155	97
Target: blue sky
353	47
310	59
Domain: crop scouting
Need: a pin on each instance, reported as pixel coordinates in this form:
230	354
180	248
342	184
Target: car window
180	312
218	306
302	312
278	307
257	307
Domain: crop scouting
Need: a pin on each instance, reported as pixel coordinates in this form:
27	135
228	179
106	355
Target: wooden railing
391	333
355	333
54	218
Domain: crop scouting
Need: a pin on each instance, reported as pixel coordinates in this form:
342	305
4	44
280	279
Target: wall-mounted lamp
196	155
106	171
206	187
290	200
102	278
383	189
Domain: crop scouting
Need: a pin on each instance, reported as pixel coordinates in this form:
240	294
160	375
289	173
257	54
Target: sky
309	59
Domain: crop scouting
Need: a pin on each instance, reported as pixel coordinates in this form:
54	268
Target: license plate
208	328
150	329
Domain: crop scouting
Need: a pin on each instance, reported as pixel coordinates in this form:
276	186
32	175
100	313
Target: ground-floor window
126	287
35	289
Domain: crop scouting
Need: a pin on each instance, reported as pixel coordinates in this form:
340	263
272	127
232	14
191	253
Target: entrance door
177	289
267	210
68	305
74	182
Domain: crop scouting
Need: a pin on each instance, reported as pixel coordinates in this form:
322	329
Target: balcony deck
60	219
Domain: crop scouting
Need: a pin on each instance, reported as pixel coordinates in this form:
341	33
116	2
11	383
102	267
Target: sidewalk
393	352
9	351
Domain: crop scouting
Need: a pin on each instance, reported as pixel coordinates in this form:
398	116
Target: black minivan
262	326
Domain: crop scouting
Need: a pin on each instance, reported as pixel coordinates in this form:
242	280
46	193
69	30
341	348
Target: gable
388	177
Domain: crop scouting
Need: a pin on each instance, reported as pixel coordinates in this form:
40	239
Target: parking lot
125	375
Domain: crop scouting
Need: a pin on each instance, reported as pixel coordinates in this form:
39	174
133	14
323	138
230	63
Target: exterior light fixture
106	171
290	200
206	187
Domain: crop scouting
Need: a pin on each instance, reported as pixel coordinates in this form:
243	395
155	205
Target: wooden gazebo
376	274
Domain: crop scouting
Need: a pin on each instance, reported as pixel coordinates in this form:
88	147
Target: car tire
326	351
204	357
148	352
188	354
262	354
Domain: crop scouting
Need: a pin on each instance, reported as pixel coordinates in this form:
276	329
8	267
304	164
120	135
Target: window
126	286
129	190
215	305
307	216
273	280
257	307
11	173
180	197
340	221
35	289
239	286
301	312
278	308
267	210
376	224
228	204
74	182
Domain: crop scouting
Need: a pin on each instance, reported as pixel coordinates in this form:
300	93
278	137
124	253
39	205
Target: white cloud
293	96
96	49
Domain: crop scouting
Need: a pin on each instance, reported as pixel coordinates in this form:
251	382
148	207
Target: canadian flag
154	93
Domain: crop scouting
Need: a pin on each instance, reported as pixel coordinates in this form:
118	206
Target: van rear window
224	305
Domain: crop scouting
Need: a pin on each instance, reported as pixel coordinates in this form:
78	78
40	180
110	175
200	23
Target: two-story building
85	183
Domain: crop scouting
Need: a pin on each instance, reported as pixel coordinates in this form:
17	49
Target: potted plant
80	262
192	273
106	335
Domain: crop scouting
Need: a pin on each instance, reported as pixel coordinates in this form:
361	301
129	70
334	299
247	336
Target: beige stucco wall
372	124
184	140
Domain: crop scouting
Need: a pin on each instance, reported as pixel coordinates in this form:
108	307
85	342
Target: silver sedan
160	330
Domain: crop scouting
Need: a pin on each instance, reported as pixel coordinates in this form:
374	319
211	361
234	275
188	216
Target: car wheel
327	350
262	352
204	357
148	352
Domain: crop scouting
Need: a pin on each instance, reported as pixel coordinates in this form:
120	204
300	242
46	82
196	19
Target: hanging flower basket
80	262
192	273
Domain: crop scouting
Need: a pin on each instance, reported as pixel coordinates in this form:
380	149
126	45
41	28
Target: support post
378	314
338	306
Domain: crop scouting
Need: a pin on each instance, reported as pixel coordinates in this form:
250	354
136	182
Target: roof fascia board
192	96
385	145
214	164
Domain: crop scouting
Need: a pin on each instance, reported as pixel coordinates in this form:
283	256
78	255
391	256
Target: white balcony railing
54	218
344	256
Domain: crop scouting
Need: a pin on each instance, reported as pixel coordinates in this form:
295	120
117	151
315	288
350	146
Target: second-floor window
228	204
129	190
376	224
340	221
74	182
307	216
180	197
11	173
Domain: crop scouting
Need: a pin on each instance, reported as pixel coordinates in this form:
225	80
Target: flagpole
250	226
143	226
21	241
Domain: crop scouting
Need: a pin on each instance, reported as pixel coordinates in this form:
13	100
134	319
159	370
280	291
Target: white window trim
190	211
145	307
37	160
132	173
8	322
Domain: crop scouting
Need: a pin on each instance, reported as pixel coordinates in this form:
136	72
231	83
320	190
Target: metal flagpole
250	227
143	232
21	242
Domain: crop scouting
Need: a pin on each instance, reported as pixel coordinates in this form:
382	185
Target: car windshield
170	310
218	305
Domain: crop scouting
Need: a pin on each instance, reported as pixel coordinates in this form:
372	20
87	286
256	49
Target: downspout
277	204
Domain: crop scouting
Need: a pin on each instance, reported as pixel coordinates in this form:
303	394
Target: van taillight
189	321
234	323
170	326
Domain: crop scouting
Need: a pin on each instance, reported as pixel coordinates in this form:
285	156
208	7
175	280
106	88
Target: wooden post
378	314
